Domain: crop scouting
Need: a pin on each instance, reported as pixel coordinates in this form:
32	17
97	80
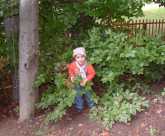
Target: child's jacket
73	71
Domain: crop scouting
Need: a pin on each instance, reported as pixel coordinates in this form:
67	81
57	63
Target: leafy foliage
3	49
61	95
115	55
8	44
9	8
114	9
57	94
118	105
87	88
55	44
63	27
125	66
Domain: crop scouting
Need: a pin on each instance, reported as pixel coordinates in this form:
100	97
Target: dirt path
148	123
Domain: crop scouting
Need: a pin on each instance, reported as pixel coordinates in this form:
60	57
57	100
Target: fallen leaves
105	133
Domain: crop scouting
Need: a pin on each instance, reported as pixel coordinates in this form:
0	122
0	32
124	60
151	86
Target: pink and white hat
79	50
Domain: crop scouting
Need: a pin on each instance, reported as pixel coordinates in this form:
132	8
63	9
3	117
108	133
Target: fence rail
150	27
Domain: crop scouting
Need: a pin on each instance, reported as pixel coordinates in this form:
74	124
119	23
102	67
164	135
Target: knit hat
79	50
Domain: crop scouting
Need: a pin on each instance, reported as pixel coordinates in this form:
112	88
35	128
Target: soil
150	122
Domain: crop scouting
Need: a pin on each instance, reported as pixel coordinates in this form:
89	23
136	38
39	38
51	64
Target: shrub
116	55
59	96
125	66
118	105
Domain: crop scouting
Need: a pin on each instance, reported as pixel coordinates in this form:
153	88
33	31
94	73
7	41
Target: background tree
28	56
9	24
161	2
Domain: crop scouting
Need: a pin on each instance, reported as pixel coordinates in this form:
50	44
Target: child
80	67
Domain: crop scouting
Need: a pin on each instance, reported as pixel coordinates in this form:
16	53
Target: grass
154	13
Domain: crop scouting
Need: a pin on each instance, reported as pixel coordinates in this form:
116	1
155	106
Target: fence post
144	25
151	27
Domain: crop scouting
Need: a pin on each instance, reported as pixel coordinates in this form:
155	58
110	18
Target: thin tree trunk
28	58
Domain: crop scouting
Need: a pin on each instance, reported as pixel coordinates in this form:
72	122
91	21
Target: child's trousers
79	101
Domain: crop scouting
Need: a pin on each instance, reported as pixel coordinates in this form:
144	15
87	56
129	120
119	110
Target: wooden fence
150	27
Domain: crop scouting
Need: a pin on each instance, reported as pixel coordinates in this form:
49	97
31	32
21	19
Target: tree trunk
28	57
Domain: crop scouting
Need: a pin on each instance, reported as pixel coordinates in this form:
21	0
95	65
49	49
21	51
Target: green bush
118	105
126	66
58	95
116	55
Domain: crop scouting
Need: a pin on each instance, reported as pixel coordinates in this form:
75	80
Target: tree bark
28	57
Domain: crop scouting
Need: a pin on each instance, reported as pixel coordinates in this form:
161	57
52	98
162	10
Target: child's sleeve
90	72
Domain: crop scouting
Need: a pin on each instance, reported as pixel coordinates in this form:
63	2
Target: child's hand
83	82
72	79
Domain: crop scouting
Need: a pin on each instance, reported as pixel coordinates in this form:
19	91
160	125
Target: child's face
80	59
